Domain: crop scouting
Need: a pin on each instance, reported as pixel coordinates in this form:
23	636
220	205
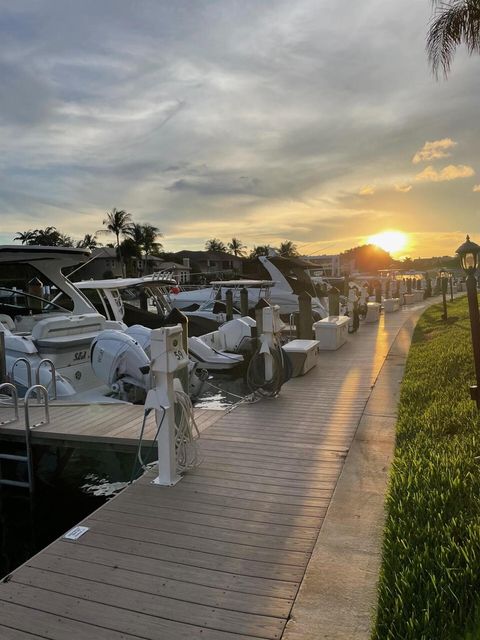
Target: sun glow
391	241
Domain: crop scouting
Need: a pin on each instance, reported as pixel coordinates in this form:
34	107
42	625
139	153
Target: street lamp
468	253
443	273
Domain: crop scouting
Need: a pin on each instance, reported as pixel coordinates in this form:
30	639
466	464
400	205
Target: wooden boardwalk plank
158	585
116	618
143	602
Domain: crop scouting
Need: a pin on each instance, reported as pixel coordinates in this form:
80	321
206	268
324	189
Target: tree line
133	240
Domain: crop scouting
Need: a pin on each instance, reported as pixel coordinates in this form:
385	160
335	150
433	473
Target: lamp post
443	273
468	253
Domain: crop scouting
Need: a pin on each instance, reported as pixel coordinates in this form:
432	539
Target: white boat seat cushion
63	326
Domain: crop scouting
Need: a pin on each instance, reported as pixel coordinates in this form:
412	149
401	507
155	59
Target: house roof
104	252
207	255
175	265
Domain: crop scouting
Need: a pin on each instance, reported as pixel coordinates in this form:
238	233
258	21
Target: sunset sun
391	241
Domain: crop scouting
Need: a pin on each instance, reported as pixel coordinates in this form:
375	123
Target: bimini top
125	283
31	253
243	283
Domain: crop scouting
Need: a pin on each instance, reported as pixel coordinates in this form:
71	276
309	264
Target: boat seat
65	326
7	321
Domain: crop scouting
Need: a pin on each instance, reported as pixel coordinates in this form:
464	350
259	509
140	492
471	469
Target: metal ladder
27	459
28	366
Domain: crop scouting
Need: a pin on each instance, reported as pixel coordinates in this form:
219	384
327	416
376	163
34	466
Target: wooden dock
114	426
221	555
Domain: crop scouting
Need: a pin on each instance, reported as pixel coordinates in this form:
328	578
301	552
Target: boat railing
8	386
53	373
29	370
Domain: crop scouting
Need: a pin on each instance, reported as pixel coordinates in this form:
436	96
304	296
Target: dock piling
304	329
229	304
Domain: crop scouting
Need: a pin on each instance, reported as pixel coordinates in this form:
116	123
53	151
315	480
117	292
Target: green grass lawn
430	579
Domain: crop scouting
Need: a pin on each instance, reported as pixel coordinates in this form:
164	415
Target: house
103	263
212	264
180	272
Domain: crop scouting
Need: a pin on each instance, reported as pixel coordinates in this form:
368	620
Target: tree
117	222
236	247
130	251
89	242
25	236
261	250
215	245
288	249
144	237
366	258
150	234
48	237
455	22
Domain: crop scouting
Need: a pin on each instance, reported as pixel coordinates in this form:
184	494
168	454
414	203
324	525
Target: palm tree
117	222
237	247
150	235
455	22
89	242
144	236
25	237
135	232
261	250
288	249
215	245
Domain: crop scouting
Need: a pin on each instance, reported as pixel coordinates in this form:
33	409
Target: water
221	391
68	489
62	498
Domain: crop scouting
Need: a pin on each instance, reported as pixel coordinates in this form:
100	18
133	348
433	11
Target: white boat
285	278
144	304
190	301
94	359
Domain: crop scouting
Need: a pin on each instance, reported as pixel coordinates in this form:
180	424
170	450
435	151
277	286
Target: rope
138	456
256	372
187	454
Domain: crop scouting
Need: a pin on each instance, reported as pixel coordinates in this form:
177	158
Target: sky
318	122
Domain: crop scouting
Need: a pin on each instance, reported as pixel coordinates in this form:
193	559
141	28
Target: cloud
403	188
476	187
367	190
451	172
434	150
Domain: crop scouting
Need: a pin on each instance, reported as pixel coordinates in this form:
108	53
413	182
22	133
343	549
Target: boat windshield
149	298
17	303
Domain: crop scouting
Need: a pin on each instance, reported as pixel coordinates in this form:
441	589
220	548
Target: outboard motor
119	361
143	335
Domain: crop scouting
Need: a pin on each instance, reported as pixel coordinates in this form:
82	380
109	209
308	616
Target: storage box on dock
331	332
391	304
373	312
419	295
303	354
409	298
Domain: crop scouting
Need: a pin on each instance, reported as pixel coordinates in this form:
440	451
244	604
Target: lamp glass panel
469	261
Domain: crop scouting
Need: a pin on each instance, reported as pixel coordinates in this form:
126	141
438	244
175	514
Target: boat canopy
125	283
242	283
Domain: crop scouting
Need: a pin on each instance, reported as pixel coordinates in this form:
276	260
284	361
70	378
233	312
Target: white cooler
419	295
409	298
331	332
303	355
373	312
391	304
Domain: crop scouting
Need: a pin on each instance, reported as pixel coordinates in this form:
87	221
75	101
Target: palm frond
454	23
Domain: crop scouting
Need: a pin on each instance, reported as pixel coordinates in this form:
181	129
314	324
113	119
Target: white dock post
271	325
168	358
